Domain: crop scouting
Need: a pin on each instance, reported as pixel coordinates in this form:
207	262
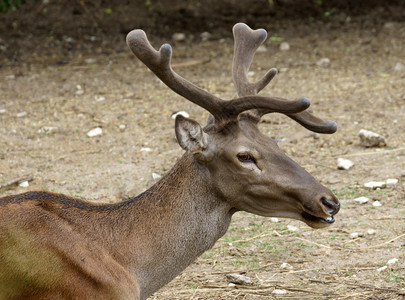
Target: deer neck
173	223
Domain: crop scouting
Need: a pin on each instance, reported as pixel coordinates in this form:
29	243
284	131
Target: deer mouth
314	219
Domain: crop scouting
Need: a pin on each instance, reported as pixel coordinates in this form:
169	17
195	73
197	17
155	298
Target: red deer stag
57	247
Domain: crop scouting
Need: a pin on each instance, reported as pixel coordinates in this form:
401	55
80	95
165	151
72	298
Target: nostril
331	206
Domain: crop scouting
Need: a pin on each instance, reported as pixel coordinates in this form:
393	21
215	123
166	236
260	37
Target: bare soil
54	92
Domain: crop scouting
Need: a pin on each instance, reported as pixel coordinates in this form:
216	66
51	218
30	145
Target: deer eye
246	158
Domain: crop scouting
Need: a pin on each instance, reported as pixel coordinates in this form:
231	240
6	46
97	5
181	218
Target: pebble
261	49
238	279
284	46
95	132
375	184
183	113
286	265
371	139
21	114
361	200
344	164
48	129
274	220
79	90
323	62
146	149
377	204
292	228
156	176
382	269
392	261
90	60
354	235
391	182
399	67
371	232
205	36
122	127
279	292
179	36
2	111
24	184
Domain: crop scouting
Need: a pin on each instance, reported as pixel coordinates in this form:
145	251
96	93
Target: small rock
2	111
90	61
392	261
10	77
287	266
354	235
261	49
231	284
22	114
146	149
371	232
274	220
24	184
251	73
279	292
238	279
399	67
377	204
179	36
95	132
391	182
79	90
48	129
344	164
101	98
371	139
382	269
284	46
292	228
323	62
375	184
283	70
183	113
361	200
205	36
122	127
156	176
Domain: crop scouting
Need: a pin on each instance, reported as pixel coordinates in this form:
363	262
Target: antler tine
246	43
159	62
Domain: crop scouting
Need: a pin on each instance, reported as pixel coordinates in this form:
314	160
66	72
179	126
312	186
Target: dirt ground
53	94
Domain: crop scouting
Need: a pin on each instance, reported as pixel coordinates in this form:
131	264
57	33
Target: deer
54	246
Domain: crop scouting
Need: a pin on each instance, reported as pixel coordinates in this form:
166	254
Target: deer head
246	168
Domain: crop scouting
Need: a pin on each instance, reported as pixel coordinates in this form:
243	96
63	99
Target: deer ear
191	137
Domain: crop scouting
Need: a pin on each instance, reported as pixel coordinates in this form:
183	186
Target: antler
246	43
159	62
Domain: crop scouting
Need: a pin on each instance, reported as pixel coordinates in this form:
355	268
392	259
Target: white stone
21	114
323	62
24	184
292	228
48	129
179	36
279	292
354	235
344	164
183	113
146	149
377	204
361	200
122	127
238	279
284	46
156	176
391	182
286	265
205	36
251	73
274	220
261	49
375	184
392	261
90	60
399	67
371	232
95	132
101	98
382	269
371	139
2	111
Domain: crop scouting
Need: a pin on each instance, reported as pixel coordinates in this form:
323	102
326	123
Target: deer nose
331	206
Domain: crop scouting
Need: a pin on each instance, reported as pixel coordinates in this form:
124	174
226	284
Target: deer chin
316	222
